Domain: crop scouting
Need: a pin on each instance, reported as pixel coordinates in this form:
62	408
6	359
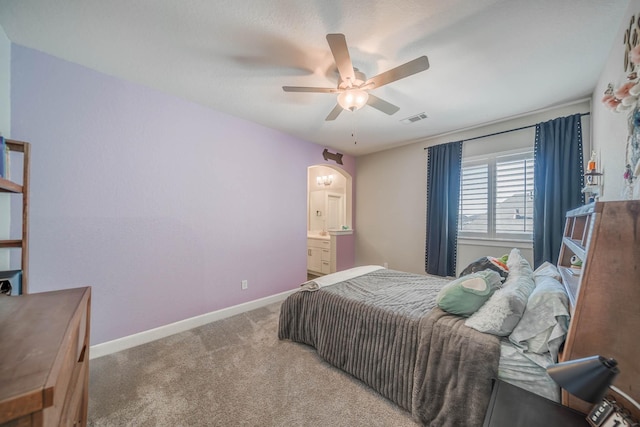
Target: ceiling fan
353	87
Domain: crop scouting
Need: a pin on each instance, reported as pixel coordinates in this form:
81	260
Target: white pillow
502	312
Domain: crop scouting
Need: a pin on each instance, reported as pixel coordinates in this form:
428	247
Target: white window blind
474	199
514	195
496	197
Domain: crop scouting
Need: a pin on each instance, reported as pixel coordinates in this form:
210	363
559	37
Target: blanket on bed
366	326
454	369
377	327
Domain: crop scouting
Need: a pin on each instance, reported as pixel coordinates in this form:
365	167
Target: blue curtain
443	196
558	182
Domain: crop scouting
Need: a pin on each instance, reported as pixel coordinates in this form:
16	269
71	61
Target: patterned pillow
465	295
502	312
547	269
545	321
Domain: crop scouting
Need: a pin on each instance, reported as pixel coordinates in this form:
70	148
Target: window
496	197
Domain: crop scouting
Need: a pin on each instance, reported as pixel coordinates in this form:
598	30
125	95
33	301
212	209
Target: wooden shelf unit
605	292
577	232
8	186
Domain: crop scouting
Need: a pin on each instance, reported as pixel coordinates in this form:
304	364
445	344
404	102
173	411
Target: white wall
391	196
610	130
5	122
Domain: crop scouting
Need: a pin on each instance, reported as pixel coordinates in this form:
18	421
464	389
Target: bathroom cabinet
319	256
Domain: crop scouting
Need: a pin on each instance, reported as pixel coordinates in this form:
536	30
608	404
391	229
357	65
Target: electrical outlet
245	284
385	265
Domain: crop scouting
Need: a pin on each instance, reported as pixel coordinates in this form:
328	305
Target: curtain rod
505	131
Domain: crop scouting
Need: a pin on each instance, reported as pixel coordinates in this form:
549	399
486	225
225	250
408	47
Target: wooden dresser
44	358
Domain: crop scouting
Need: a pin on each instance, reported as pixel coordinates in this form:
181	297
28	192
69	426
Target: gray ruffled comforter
383	329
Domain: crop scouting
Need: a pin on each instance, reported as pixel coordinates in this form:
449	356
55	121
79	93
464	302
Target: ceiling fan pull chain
353	132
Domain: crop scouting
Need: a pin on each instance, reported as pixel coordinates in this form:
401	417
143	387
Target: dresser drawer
319	243
326	267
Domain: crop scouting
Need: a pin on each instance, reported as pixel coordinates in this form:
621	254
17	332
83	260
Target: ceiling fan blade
334	113
310	89
382	105
400	72
338	45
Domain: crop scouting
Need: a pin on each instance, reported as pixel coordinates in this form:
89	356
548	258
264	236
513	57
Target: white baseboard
144	337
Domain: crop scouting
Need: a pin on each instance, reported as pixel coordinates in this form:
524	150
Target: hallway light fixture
324	180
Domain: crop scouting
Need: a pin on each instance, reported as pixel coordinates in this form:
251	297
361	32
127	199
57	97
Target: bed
384	327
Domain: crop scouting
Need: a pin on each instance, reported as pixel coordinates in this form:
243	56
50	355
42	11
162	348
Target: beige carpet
234	372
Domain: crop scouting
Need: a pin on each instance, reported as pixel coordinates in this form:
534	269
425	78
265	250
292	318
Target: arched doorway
330	244
329	199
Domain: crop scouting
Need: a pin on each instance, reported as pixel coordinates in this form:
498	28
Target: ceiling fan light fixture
353	99
353	84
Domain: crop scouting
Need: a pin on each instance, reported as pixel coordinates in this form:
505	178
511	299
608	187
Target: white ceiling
490	59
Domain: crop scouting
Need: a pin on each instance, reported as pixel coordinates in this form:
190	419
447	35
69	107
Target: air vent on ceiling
415	118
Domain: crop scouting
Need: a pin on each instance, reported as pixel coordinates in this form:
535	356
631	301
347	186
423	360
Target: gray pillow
465	295
502	312
545	321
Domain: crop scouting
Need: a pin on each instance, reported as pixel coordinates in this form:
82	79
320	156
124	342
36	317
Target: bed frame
605	294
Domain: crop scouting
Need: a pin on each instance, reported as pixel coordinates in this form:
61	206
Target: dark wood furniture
512	406
44	358
605	292
10	186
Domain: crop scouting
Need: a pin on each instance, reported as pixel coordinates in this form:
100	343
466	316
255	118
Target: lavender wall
162	205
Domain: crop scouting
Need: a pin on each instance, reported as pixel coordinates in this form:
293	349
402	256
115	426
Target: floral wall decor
625	99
